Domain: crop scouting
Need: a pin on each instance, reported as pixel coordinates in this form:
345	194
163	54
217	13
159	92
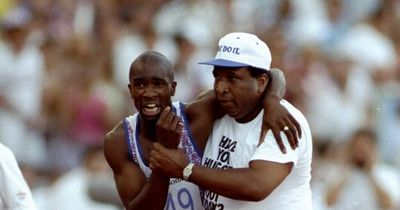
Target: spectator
21	77
364	182
14	191
71	190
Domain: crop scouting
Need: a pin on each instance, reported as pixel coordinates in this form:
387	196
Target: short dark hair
256	72
153	57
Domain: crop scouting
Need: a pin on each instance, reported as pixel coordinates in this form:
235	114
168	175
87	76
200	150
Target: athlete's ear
130	89
173	87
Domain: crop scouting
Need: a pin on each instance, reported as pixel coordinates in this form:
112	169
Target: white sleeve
269	150
389	180
14	190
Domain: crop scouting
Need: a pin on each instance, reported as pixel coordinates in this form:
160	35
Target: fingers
276	130
170	117
153	163
157	147
164	114
157	155
293	132
166	117
277	134
289	129
291	135
177	124
170	120
296	124
264	130
153	159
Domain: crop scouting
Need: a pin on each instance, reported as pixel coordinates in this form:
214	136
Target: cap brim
223	62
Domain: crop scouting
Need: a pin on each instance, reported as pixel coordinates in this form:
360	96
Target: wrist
187	171
273	95
271	98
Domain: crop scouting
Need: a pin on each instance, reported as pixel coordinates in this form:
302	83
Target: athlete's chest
146	145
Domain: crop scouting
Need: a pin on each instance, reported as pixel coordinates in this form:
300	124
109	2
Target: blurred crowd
64	72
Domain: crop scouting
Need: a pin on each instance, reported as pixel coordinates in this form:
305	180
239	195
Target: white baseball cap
239	49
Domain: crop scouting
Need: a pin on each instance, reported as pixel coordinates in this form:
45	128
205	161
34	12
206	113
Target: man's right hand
169	162
169	128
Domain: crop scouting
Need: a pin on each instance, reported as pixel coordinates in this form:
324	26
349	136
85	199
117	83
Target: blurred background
64	73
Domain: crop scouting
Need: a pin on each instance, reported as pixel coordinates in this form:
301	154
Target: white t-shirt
358	192
234	145
14	191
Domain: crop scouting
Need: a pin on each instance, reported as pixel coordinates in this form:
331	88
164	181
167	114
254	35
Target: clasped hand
169	129
165	158
169	162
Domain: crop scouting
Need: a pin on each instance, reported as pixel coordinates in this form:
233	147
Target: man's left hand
277	118
169	129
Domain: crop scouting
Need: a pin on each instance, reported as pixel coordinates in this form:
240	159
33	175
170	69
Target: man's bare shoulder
115	133
114	145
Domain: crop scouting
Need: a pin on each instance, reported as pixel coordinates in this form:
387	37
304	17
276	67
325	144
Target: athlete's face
238	93
151	88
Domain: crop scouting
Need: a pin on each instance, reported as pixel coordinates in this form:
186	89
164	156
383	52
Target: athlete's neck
148	129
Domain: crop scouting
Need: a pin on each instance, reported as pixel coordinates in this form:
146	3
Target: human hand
335	190
277	118
169	162
169	128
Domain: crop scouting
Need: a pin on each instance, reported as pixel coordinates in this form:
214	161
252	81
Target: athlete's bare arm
276	116
135	191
